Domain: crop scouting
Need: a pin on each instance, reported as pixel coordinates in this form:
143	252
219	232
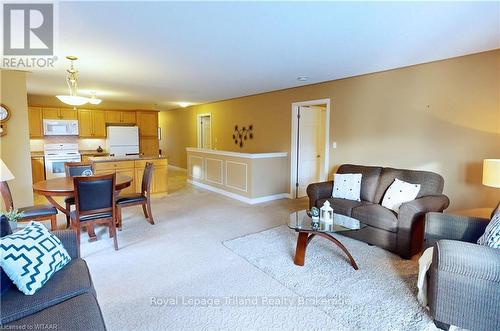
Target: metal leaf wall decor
240	135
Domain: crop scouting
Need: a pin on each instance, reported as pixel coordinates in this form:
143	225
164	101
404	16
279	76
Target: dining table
63	187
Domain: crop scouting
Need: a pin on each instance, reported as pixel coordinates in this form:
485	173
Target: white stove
55	157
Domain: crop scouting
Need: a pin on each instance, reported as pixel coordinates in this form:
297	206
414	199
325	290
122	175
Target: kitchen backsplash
36	145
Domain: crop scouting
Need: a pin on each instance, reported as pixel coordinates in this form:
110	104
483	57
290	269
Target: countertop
236	154
124	158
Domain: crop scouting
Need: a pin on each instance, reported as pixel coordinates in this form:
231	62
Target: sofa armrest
453	227
68	239
316	191
467	259
411	218
464	285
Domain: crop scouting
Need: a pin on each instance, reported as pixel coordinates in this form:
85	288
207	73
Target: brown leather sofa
400	233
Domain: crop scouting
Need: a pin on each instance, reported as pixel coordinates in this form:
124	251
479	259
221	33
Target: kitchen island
133	166
248	177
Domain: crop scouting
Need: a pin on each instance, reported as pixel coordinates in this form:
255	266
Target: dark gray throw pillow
5	282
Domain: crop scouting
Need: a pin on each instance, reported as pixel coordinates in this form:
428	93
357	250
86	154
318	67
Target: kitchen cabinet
120	117
149	146
37	169
91	123
135	169
119	167
147	121
60	114
35	122
159	182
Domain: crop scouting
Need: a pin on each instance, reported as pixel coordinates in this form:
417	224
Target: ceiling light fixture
73	98
93	100
183	104
302	78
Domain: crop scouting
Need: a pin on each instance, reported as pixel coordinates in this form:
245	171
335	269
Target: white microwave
60	127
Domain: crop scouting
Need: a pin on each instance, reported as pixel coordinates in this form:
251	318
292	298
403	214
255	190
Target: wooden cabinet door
112	116
85	125
128	117
147	121
35	122
130	173
37	169
99	123
68	114
149	146
51	113
160	177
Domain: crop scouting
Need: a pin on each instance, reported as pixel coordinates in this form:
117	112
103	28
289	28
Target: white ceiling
161	53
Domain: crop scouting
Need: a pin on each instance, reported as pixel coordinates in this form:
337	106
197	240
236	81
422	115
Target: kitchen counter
93	153
125	158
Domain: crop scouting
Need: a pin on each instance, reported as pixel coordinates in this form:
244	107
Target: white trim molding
221	171
293	142
250	201
190	165
236	154
246	177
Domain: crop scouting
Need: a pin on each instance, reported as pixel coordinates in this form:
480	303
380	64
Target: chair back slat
146	178
73	169
94	194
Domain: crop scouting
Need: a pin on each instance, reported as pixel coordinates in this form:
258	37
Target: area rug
381	295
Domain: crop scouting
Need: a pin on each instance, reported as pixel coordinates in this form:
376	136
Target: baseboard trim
177	168
250	201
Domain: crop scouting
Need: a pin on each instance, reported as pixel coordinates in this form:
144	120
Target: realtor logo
28	29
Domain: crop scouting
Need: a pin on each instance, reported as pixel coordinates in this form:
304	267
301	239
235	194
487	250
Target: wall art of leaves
240	135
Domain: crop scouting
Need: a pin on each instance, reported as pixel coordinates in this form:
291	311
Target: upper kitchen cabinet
59	114
147	121
120	117
35	122
68	114
91	123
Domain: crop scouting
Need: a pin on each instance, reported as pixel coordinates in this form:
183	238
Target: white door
205	132
310	147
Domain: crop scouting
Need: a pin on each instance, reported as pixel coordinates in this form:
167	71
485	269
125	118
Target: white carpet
182	256
379	296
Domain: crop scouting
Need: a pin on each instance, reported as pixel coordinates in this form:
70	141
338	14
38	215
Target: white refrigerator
122	140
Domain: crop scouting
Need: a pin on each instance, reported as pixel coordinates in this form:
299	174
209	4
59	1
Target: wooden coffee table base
305	237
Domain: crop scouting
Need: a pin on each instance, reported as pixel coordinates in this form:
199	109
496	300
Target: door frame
293	145
198	128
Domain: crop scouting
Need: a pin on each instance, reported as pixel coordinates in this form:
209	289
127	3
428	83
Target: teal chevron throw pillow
31	256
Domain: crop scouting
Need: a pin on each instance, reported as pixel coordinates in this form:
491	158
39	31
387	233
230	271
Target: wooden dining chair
143	198
95	204
31	213
72	169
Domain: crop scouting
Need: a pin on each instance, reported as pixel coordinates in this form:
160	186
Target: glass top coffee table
302	223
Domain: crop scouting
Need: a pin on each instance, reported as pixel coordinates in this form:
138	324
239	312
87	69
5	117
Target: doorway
204	124
309	145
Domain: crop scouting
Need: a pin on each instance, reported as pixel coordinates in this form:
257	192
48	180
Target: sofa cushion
430	183
341	206
5	282
376	216
81	312
347	186
369	178
74	279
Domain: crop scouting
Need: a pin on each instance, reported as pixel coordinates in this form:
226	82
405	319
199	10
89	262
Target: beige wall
15	145
442	116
